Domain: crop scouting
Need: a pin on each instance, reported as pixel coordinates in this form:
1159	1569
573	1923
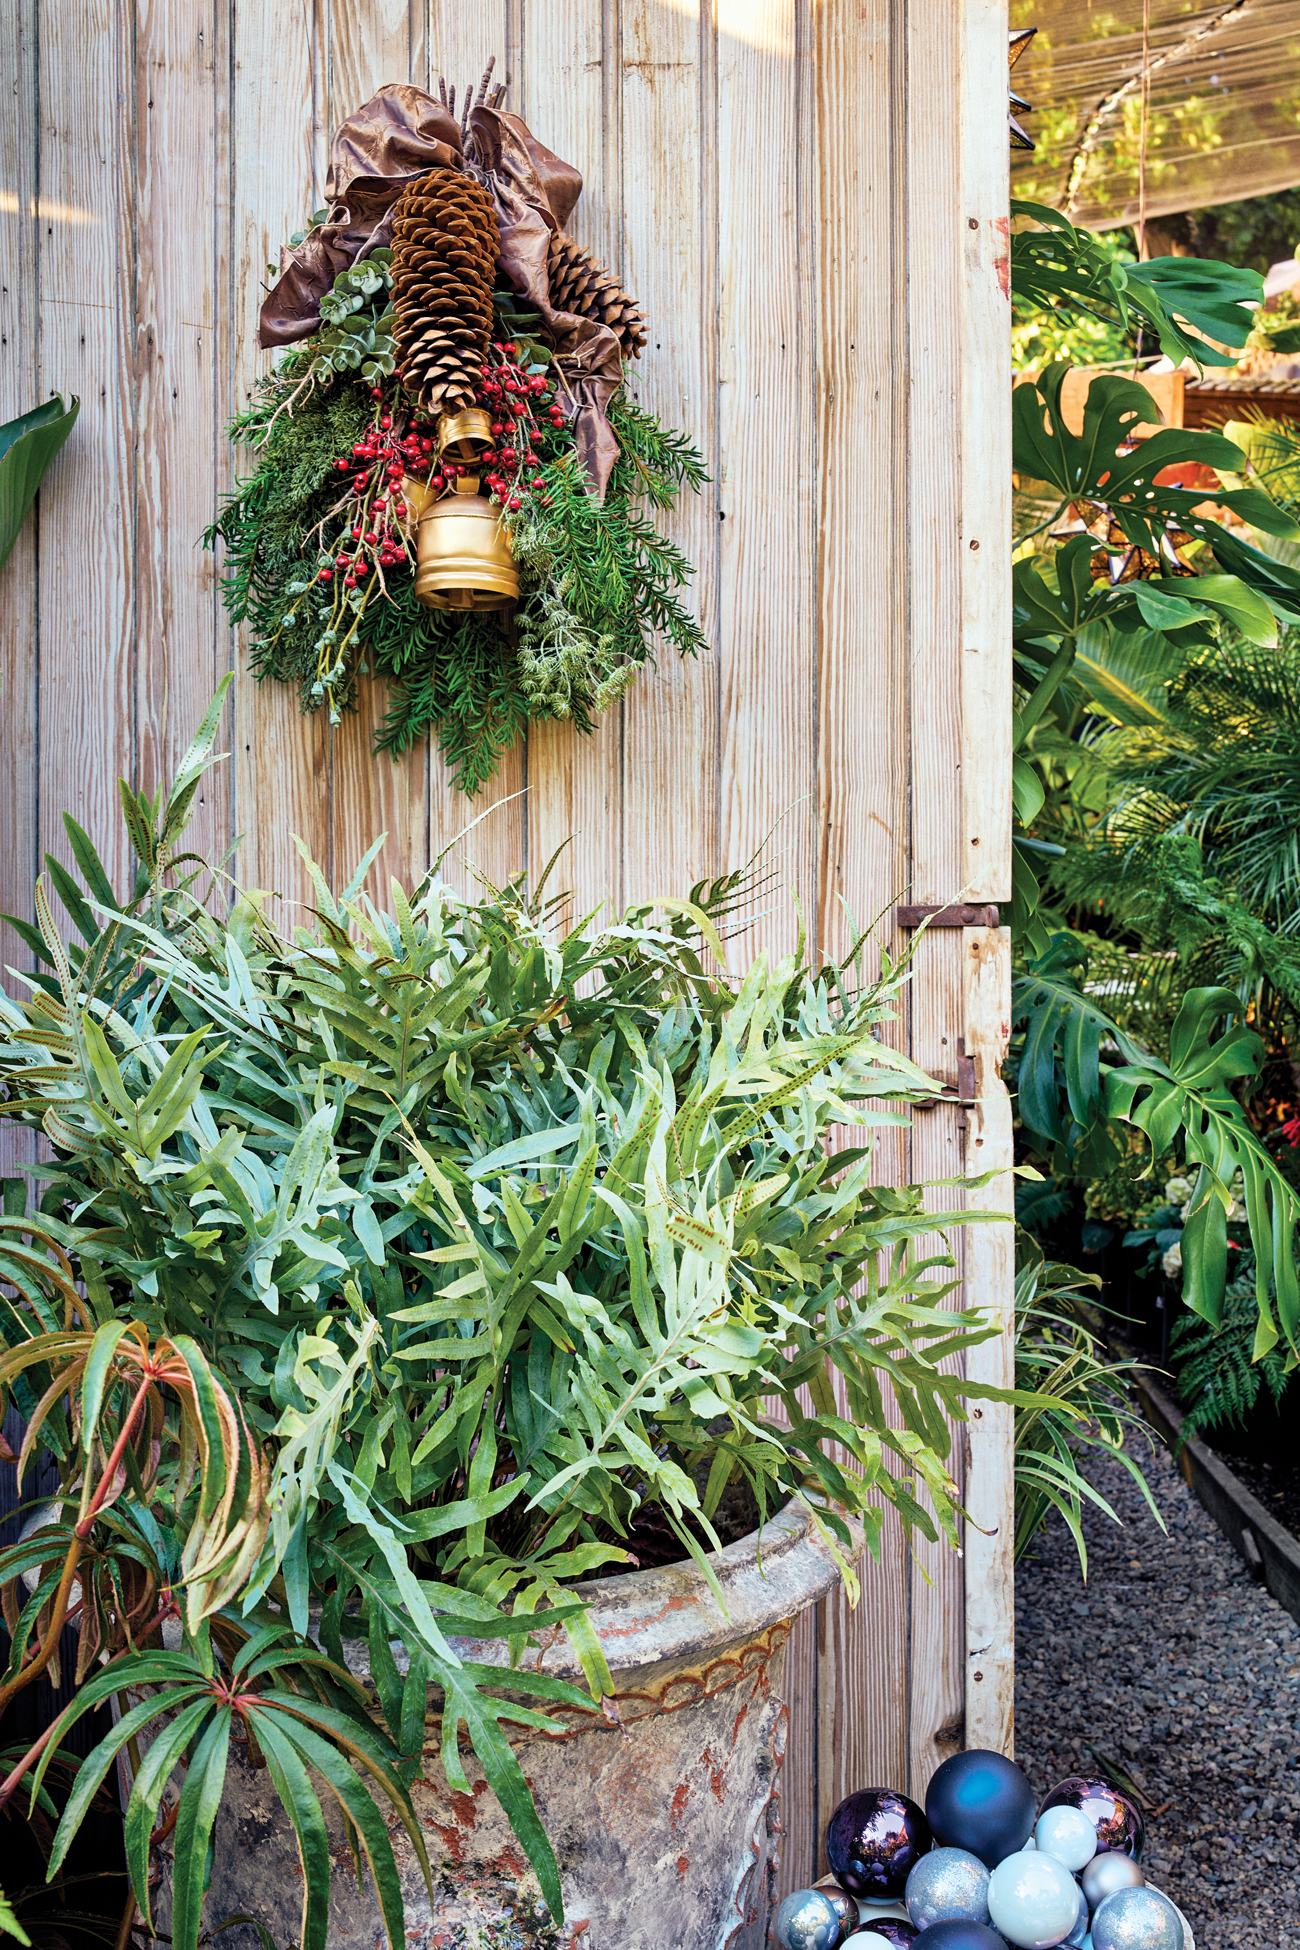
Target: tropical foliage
1139	604
28	446
387	1279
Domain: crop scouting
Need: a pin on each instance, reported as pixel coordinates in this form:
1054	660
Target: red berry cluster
378	465
511	394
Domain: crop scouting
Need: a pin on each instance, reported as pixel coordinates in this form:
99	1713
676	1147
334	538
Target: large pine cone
580	285
445	245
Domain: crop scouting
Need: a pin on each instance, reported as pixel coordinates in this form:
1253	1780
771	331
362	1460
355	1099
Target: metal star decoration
1020	39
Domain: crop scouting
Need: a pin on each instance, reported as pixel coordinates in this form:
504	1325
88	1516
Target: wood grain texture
767	434
20	382
85	572
670	261
180	642
990	1285
985	532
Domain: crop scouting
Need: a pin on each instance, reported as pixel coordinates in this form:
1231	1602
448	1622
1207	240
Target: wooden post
990	1285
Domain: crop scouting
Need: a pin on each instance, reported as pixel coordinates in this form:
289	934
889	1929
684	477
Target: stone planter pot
667	1828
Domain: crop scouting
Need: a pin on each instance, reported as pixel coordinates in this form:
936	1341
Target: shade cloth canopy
1224	104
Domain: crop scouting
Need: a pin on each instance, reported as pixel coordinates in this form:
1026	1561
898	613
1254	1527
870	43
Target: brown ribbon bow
403	132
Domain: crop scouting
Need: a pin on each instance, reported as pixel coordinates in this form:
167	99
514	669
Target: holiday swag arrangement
454	488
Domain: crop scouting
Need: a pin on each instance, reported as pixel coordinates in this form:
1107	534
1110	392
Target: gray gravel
1176	1666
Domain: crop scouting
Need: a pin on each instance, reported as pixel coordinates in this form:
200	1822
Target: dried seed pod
581	286
445	244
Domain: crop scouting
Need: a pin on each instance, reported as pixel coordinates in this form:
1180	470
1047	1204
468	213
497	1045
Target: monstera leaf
1187	1100
1089	468
27	446
1186	301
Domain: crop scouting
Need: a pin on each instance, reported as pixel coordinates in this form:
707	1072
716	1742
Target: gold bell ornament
463	558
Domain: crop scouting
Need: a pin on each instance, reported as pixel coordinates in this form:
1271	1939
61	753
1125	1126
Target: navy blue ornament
980	1801
873	1840
955	1935
1117	1821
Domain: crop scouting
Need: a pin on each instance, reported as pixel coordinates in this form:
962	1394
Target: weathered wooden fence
810	198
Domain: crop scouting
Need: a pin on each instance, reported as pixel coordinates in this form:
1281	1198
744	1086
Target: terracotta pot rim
647	1618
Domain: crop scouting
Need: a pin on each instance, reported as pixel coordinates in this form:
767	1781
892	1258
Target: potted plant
407	1302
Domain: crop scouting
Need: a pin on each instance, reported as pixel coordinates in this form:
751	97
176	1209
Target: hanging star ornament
1020	39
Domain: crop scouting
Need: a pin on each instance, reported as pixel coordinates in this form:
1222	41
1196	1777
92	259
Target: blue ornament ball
1033	1900
808	1920
1116	1819
1137	1919
873	1840
980	1801
1067	1833
948	1884
957	1935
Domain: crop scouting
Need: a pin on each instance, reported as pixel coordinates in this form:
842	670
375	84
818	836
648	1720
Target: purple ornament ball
873	1840
1118	1823
956	1935
901	1935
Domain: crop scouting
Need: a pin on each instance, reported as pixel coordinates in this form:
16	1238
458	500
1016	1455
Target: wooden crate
811	199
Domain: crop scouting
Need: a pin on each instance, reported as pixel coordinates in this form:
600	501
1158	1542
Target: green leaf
28	446
205	1777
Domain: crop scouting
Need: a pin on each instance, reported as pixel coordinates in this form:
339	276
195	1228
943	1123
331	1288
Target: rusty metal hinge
964	1094
951	915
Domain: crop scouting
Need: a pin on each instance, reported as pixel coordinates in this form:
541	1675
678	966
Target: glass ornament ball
808	1920
1108	1873
948	1883
1137	1919
844	1905
1075	1940
980	1801
1067	1833
890	1929
1116	1819
957	1935
1033	1900
866	1940
873	1840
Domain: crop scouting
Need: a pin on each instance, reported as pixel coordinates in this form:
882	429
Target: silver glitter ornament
948	1885
1137	1919
1107	1873
808	1920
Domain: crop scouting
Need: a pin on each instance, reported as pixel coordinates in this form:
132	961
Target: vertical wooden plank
460	40
931	403
568	94
371	42
861	700
670	216
800	1834
282	760
85	576
19	393
19	610
990	1285
179	637
986	449
766	637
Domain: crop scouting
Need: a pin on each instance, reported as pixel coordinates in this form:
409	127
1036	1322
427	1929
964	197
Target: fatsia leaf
28	446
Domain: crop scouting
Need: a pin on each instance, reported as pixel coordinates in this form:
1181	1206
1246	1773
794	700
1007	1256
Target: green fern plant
1219	1375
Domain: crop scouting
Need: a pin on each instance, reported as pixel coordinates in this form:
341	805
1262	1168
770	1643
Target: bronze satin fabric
403	132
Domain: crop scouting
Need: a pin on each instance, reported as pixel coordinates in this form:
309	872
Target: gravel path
1177	1667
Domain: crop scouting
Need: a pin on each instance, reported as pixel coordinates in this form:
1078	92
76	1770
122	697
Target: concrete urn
667	1827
